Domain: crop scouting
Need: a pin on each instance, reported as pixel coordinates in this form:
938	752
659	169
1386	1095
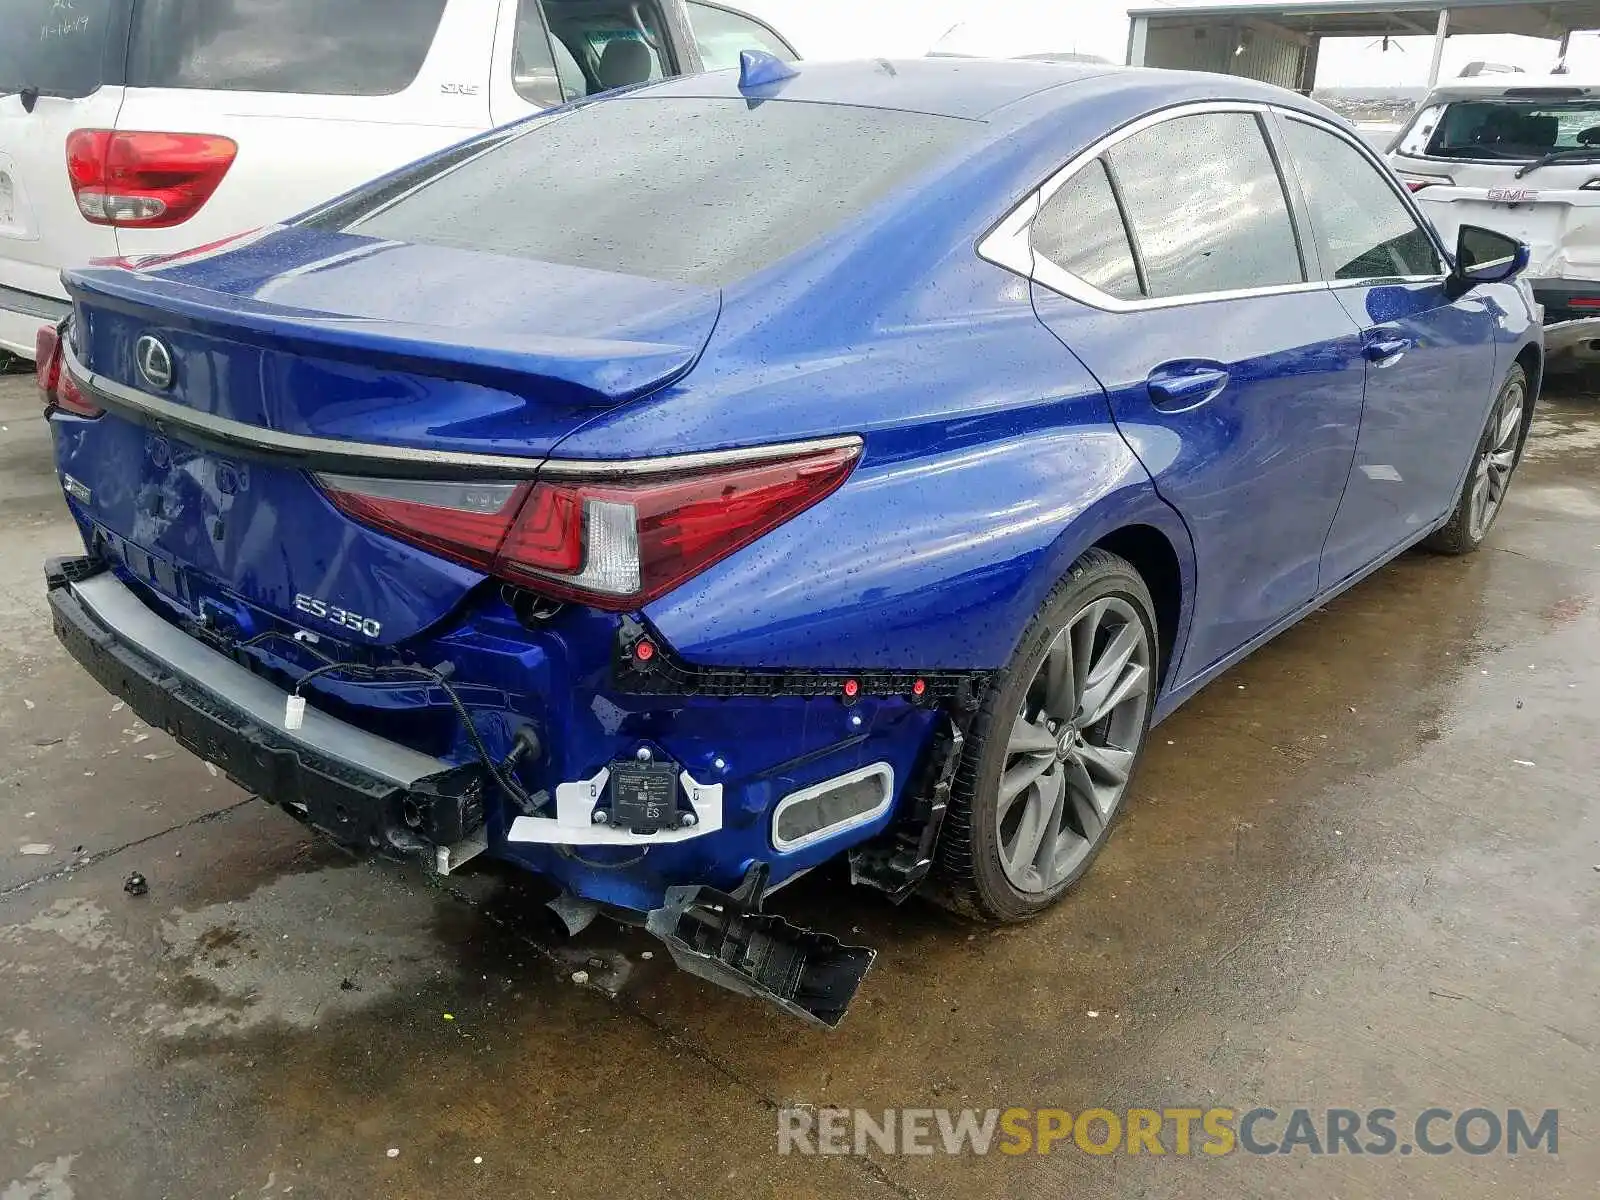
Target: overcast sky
855	28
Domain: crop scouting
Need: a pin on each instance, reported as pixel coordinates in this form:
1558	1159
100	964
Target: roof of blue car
962	87
968	88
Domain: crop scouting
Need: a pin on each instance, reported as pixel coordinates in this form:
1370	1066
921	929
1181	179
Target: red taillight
145	180
614	545
47	362
463	521
1417	183
56	388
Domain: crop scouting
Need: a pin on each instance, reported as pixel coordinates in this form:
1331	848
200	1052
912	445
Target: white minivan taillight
145	180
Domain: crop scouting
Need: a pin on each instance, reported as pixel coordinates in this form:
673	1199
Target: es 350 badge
341	617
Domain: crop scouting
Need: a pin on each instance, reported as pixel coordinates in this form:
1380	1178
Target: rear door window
722	35
1367	232
1080	230
1207	207
59	47
314	47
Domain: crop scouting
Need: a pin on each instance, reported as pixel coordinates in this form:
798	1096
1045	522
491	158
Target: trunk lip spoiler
374	458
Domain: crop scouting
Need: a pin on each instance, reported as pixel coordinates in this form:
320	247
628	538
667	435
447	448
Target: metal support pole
1308	65
1138	41
1439	39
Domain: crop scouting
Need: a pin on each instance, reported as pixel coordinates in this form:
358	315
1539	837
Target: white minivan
132	127
1519	154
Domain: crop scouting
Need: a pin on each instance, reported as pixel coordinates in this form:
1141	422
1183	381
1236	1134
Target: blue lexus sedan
691	486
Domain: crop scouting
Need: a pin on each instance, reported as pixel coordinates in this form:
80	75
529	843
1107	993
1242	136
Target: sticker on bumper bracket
574	823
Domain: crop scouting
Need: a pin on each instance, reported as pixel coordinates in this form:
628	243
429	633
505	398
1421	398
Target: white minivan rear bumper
21	314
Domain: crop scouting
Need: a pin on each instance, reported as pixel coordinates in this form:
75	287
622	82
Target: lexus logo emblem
154	361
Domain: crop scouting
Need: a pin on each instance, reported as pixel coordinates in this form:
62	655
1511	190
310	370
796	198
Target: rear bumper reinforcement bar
359	789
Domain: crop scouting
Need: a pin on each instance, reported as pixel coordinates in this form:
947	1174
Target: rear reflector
610	544
145	180
56	389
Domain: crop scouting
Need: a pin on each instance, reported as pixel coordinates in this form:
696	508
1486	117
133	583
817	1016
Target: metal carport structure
1279	43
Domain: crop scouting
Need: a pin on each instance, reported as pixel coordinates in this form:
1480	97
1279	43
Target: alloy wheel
1073	745
1496	462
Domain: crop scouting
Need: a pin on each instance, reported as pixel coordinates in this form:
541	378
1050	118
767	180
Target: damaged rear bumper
359	789
372	794
1571	319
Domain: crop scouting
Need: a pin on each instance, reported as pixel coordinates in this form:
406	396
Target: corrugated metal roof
1375	18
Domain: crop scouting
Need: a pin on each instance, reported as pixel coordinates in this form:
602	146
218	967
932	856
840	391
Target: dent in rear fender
930	563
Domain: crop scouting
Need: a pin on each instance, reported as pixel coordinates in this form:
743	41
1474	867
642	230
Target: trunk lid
357	344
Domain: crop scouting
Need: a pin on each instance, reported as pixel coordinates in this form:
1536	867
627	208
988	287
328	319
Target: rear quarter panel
926	561
991	461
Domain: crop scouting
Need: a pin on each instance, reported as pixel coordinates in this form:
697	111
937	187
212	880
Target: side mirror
1485	256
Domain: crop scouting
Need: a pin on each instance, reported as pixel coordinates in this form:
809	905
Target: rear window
690	190
56	46
316	47
1512	129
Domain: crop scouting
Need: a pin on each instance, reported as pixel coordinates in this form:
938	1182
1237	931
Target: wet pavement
1362	870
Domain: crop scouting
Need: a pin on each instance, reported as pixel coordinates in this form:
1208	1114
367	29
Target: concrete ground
1362	870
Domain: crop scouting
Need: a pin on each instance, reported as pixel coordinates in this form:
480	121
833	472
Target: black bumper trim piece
727	940
665	673
347	803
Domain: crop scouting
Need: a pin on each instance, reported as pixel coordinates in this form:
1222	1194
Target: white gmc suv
1519	154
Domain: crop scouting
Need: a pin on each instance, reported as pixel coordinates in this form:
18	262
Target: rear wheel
1494	461
1053	748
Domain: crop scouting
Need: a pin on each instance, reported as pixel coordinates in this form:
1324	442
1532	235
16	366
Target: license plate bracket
644	796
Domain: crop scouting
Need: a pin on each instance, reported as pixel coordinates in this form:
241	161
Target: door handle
1386	351
1181	387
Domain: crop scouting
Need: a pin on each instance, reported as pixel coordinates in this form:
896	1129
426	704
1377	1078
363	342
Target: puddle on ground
47	1181
1561	429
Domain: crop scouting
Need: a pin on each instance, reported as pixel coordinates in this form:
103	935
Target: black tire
970	877
1466	530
